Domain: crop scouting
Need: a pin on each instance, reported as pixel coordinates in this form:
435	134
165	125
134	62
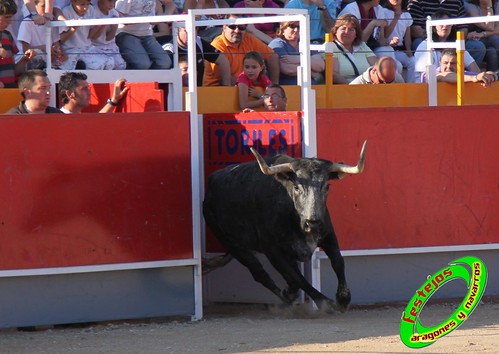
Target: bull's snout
311	225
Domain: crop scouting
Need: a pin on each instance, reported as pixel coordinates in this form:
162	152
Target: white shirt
79	39
136	8
101	41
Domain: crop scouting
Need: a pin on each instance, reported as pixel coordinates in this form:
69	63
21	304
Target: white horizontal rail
97	268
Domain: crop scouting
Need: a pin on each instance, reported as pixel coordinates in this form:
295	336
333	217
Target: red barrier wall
431	176
94	189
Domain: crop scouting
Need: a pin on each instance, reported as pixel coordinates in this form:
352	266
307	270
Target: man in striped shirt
420	9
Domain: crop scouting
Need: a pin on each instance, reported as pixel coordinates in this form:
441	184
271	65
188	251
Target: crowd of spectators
363	31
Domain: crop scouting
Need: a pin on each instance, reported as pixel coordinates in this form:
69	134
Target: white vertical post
431	77
197	174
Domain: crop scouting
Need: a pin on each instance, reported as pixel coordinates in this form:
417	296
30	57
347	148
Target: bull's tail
215	262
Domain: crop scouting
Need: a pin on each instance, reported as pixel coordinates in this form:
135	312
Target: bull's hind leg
332	250
249	260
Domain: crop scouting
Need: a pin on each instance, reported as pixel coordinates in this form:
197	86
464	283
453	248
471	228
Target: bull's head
306	181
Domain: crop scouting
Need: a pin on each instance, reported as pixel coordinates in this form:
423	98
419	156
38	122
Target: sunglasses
239	27
294	26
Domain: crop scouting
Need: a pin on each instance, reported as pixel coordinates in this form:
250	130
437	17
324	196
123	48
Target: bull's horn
270	170
338	167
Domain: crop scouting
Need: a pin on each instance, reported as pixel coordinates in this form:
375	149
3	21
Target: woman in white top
351	55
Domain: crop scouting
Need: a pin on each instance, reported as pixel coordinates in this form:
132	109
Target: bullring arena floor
231	328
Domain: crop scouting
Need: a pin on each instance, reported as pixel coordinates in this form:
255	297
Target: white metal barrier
172	77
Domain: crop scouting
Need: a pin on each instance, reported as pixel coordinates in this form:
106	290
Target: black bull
281	213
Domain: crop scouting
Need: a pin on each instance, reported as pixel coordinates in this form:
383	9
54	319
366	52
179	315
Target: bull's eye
297	188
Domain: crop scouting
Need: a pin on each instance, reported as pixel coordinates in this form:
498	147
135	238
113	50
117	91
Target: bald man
384	71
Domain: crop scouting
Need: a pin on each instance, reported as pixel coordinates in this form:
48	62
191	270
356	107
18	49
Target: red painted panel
228	137
431	176
141	97
94	189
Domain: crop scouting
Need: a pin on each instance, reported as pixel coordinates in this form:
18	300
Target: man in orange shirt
234	42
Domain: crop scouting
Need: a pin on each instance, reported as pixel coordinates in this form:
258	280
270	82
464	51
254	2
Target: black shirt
21	109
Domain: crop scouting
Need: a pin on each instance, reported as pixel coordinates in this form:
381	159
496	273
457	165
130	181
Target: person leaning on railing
446	72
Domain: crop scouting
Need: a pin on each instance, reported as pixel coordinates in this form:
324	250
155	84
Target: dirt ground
263	329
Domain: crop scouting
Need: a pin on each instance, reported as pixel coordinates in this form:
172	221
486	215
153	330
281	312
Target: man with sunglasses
234	42
383	72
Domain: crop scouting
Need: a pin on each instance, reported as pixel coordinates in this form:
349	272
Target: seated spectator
351	55
34	86
445	33
234	42
32	36
485	32
286	45
204	52
322	14
136	42
398	34
274	99
421	9
9	69
210	32
373	22
447	70
76	42
251	78
383	72
74	91
263	31
103	37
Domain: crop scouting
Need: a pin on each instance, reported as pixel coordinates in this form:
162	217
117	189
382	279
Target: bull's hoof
343	299
289	296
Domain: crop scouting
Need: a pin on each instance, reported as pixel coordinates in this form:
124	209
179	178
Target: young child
103	37
77	44
9	69
32	36
250	80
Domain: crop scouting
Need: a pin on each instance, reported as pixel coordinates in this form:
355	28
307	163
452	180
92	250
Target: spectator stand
172	76
460	48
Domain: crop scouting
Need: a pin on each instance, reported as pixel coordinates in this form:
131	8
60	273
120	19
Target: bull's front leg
332	250
289	270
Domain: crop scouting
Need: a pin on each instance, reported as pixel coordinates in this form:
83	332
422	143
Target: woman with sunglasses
351	56
286	46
